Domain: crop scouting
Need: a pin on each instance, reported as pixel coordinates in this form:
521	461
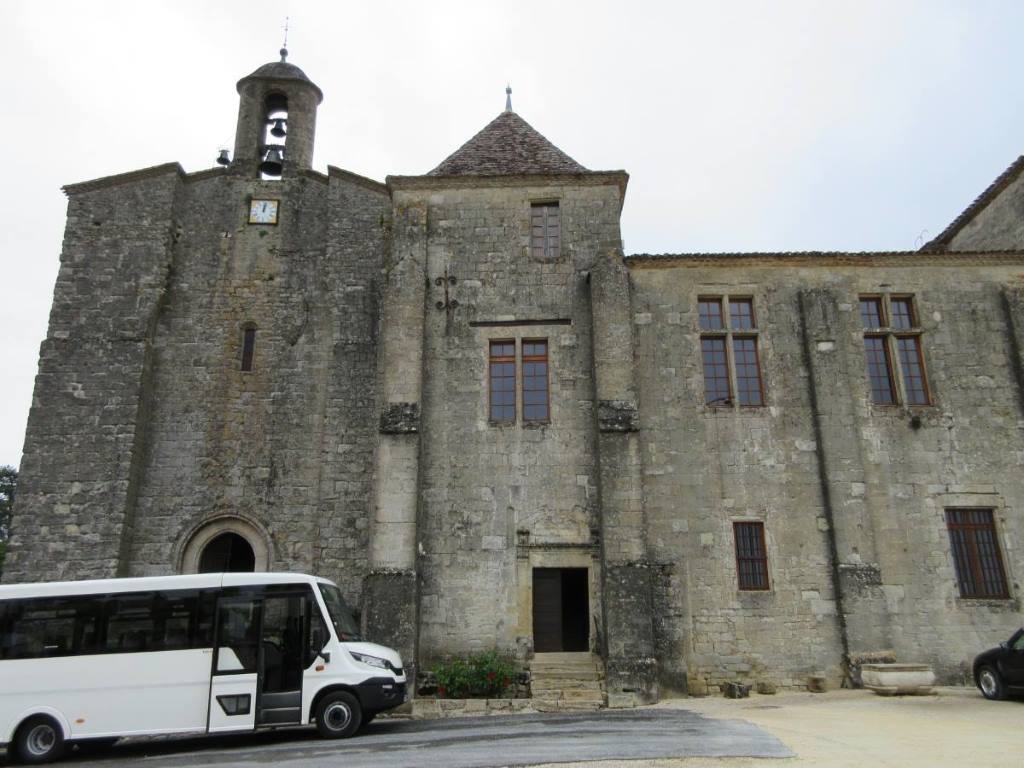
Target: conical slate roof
508	145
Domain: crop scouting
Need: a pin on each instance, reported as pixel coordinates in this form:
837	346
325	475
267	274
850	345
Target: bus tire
39	740
338	715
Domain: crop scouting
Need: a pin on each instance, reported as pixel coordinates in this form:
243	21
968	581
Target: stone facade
360	444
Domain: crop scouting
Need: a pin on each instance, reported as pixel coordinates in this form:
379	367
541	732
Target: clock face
263	212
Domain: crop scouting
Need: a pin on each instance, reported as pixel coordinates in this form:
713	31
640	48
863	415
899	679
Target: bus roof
149	583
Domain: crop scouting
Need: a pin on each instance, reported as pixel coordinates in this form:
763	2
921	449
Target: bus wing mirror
326	656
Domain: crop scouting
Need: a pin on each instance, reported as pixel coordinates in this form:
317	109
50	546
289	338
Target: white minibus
85	661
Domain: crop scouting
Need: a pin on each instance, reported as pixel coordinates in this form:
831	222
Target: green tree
8	482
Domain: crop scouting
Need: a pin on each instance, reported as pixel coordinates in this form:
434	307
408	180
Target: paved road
487	742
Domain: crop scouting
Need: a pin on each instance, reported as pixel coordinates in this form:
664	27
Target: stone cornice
588	178
124	178
825	259
354	178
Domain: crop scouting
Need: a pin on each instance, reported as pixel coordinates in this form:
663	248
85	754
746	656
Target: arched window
248	346
274	136
227	553
225	543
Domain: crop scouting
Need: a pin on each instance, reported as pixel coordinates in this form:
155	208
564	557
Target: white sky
743	125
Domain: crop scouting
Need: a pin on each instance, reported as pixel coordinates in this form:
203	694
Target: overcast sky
744	125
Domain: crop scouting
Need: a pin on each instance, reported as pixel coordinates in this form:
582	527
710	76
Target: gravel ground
847	729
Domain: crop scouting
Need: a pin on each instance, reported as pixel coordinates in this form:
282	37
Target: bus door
235	679
286	614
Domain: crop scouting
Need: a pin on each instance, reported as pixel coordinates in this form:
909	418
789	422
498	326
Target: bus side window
318	634
238	627
130	623
45	628
10	640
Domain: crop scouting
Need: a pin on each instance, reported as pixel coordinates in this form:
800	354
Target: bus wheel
339	715
39	740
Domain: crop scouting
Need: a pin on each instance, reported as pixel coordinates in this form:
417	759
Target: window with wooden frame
729	351
545	230
751	555
502	382
535	380
248	346
976	556
891	330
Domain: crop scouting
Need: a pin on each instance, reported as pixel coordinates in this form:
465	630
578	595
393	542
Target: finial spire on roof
508	98
284	45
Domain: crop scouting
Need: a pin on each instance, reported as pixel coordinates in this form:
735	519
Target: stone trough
898	679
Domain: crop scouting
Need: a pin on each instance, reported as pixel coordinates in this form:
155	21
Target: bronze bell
222	158
273	162
278	129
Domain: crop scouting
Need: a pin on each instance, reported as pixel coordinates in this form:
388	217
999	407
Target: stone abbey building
453	394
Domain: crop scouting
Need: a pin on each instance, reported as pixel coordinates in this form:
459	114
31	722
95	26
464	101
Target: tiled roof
1004	180
507	145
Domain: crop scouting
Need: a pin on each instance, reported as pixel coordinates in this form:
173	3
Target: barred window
976	556
751	556
731	362
891	328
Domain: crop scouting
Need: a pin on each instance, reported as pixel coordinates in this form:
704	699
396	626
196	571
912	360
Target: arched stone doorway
228	553
226	543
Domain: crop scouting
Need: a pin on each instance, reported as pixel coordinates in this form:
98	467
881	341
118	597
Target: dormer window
274	135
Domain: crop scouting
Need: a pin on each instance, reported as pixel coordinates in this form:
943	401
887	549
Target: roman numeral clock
263	211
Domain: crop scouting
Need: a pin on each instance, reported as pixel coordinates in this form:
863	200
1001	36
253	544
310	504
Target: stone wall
285	450
80	470
891	471
998	225
498	500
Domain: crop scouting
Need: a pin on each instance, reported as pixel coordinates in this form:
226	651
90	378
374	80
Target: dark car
999	672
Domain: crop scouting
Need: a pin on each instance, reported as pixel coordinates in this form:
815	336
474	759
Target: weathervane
284	46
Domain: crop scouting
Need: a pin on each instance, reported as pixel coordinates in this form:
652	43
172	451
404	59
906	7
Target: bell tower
276	121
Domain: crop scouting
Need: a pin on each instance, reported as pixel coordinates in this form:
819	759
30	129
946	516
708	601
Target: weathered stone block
617	416
400	418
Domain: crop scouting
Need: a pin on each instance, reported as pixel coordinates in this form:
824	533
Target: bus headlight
372	661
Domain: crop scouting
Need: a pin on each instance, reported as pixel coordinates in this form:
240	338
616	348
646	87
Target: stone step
564	657
566	674
565	693
543	668
560	705
542	686
567	681
564	665
583	695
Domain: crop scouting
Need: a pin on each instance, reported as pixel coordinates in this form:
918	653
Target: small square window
741	314
709	313
871	316
903	313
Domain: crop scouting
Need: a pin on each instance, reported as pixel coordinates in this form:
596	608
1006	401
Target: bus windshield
344	625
